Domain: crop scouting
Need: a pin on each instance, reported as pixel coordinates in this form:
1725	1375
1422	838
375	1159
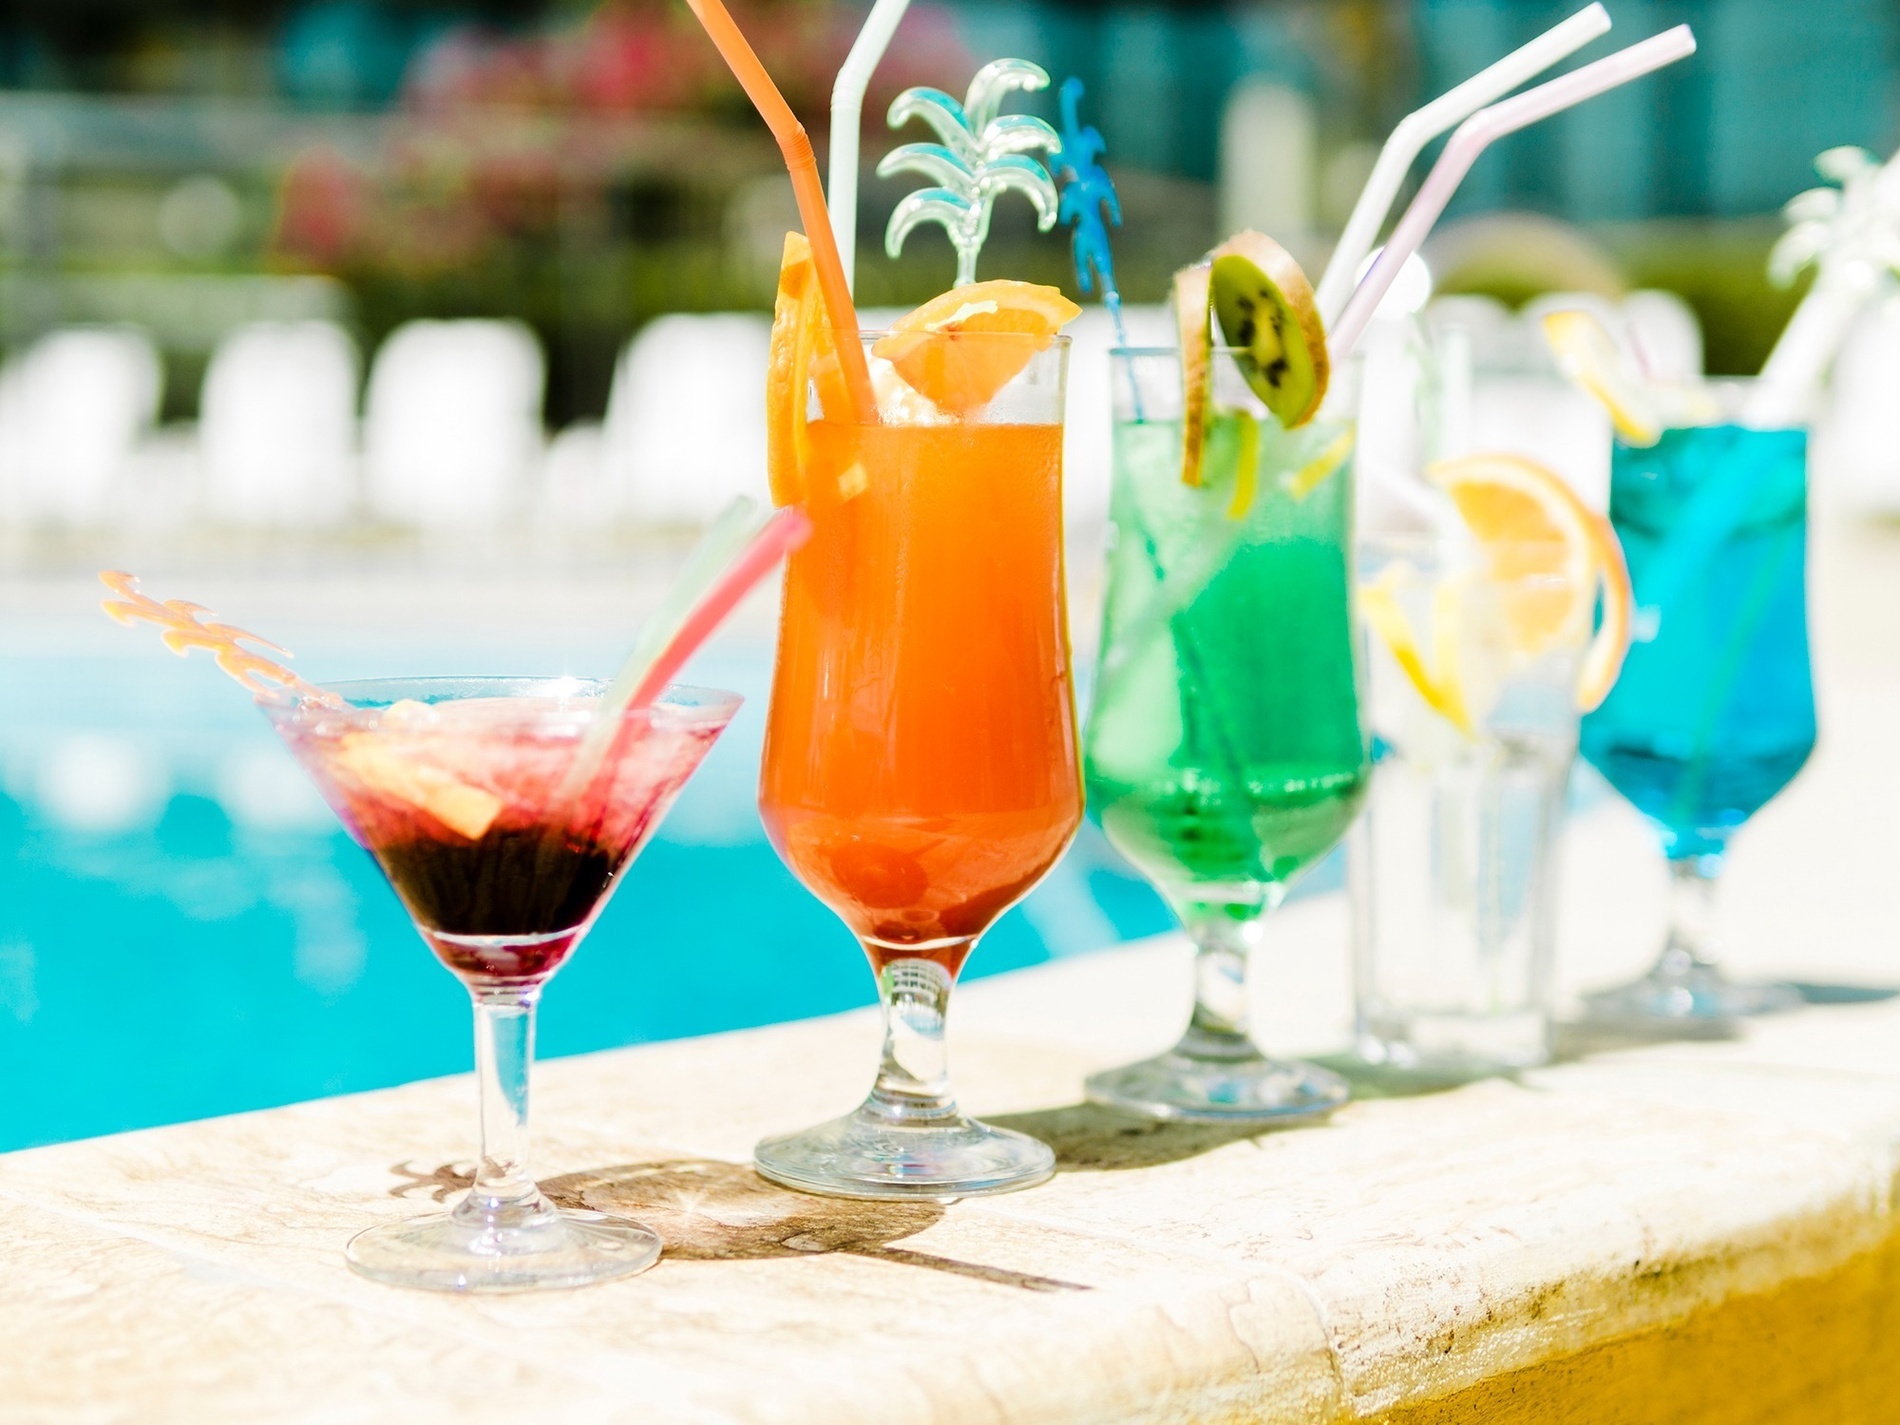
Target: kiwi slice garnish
1266	312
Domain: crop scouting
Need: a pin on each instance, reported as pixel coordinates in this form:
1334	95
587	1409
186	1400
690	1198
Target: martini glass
503	828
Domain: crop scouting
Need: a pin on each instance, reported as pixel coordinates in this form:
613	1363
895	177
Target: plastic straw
1420	127
732	556
1791	377
847	116
1852	235
1472	138
737	524
802	164
783	533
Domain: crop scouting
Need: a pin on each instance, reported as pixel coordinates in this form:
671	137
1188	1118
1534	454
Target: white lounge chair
452	422
685	428
277	425
73	408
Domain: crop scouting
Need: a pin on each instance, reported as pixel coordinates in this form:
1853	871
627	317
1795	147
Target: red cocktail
503	818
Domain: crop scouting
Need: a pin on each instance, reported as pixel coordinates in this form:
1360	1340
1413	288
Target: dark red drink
499	847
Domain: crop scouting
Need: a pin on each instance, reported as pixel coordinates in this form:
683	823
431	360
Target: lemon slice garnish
1589	355
1439	686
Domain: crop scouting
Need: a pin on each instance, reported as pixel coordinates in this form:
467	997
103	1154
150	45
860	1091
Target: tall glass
920	770
503	838
1453	867
1225	753
1714	712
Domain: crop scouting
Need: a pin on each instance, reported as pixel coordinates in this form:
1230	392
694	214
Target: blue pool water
1714	711
184	931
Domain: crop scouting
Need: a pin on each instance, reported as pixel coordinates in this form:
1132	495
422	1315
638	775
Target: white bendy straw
1476	134
847	114
1407	141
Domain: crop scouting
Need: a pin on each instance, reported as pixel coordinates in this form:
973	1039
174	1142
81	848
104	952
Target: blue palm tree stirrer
1089	202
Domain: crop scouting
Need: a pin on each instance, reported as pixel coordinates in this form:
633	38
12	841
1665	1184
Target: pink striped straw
783	533
1472	137
710	589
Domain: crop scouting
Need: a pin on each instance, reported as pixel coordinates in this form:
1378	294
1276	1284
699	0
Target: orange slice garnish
1549	554
960	376
797	334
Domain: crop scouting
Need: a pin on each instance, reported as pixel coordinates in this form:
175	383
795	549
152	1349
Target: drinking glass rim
690	703
1060	339
1218	349
1731	394
1420	548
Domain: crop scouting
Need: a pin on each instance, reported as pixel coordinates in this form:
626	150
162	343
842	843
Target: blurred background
423	333
230	192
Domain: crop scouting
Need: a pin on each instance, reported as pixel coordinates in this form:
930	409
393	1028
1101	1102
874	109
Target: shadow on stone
1574	1039
705	1210
1845	994
437	1184
1370	1081
1089	1138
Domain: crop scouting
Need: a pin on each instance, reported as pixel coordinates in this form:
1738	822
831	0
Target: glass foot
532	1248
1255	1089
866	1155
1696	995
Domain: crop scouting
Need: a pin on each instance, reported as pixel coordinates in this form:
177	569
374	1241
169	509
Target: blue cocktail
1714	712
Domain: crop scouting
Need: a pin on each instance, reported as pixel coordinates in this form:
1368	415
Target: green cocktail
1224	749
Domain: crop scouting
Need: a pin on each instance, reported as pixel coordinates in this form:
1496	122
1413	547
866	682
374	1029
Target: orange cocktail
921	770
920	758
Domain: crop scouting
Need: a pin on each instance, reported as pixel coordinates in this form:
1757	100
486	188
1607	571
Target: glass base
1443	1047
533	1247
1697	994
867	1155
1251	1089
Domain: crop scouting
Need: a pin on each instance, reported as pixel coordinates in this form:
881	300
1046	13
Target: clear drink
1453	868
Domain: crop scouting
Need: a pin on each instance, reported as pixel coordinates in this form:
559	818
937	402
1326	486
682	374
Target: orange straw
803	165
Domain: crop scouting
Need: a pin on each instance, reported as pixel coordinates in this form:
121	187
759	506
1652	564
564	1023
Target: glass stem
1222	946
504	1053
1691	914
913	1081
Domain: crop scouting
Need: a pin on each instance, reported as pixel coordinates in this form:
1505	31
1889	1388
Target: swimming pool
185	931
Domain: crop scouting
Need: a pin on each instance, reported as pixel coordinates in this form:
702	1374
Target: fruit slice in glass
470	794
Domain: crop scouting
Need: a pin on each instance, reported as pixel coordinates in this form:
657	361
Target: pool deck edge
1411	1254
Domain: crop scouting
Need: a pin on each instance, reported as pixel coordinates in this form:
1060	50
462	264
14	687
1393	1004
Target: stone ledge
1610	1231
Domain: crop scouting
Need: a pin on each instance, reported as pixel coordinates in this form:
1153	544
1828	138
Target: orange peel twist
184	626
